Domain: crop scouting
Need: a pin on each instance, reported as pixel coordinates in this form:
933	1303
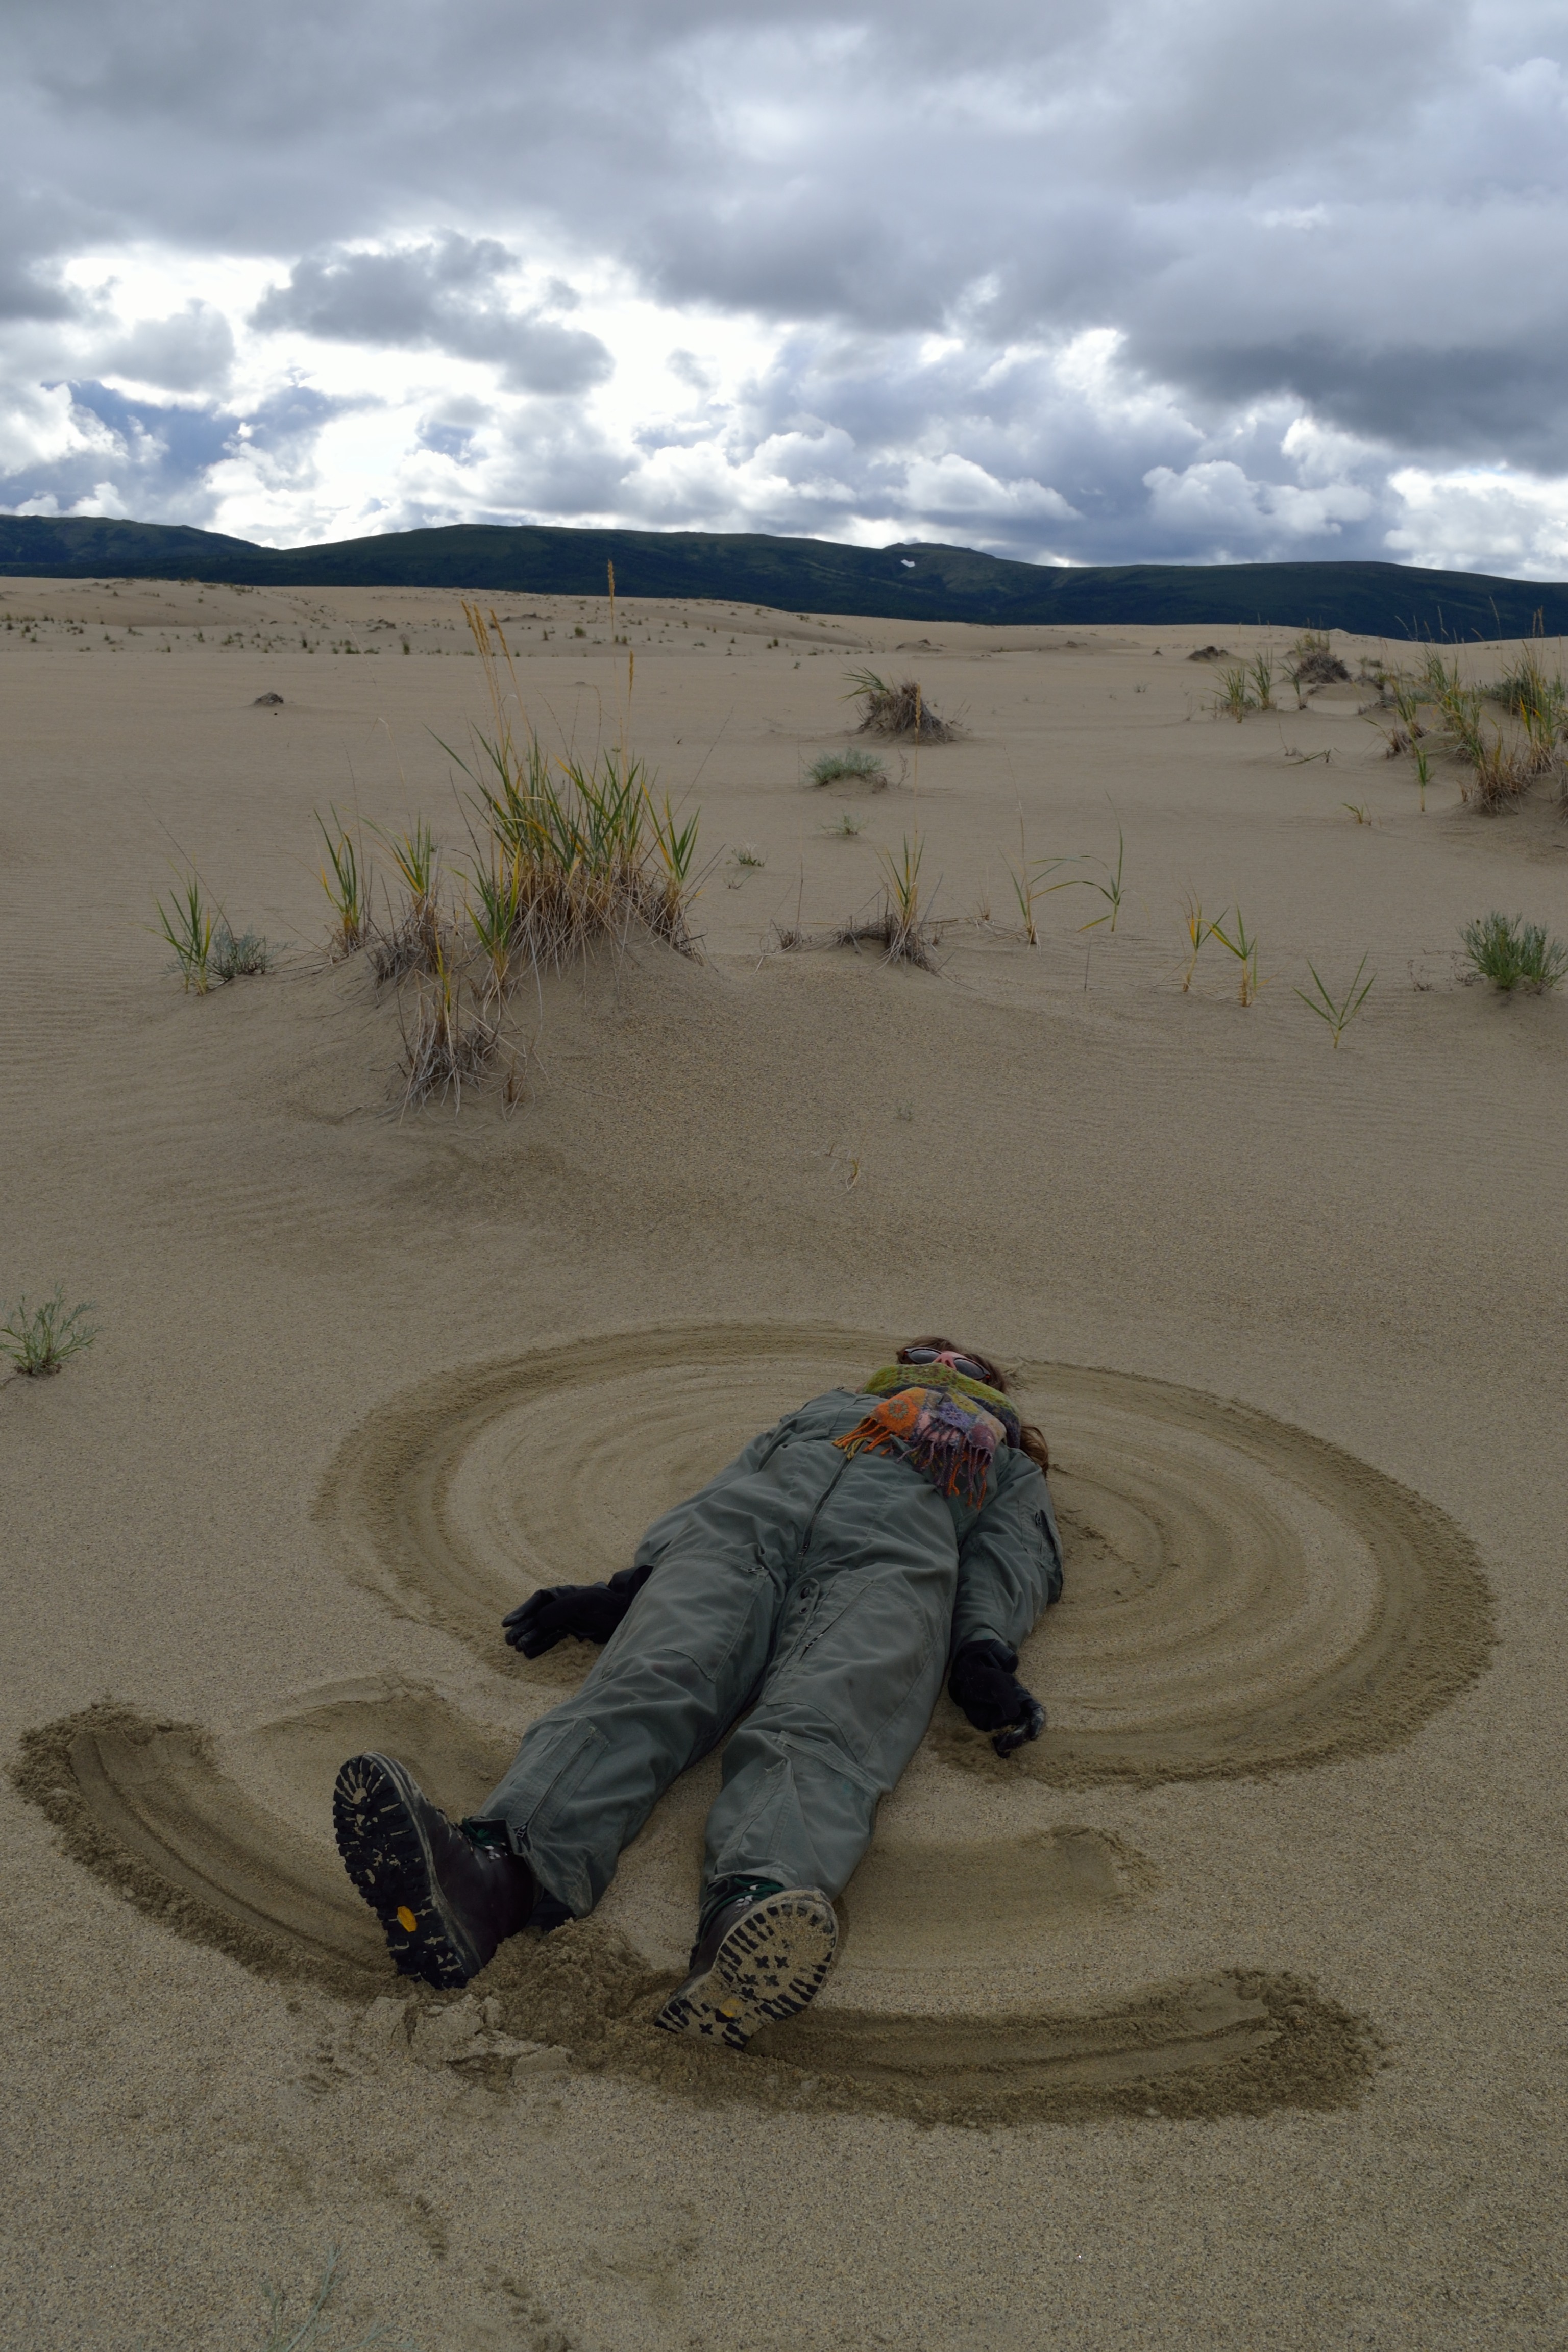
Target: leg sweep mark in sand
219	1839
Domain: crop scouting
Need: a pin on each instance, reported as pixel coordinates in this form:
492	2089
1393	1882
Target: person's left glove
983	1681
590	1611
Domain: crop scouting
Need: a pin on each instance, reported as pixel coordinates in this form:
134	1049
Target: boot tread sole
387	1858
770	1966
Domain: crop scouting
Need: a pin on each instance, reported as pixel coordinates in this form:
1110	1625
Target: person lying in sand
811	1597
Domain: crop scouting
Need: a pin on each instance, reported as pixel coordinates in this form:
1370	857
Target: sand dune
1222	2016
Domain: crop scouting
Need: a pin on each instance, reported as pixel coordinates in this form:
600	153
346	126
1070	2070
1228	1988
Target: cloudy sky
1189	280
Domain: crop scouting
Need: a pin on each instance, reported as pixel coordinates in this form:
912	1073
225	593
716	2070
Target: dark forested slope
915	581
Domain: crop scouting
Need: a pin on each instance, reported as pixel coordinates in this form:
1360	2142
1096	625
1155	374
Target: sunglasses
965	1364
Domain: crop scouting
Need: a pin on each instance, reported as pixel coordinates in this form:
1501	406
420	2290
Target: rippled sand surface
1222	2016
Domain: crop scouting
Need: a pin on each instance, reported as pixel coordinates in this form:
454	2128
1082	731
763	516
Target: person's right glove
590	1611
983	1681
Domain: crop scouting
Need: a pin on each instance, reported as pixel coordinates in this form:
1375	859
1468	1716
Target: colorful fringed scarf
946	1425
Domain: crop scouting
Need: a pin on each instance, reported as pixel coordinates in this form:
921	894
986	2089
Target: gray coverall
824	1592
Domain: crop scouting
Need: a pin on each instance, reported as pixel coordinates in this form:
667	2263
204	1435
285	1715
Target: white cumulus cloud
1143	281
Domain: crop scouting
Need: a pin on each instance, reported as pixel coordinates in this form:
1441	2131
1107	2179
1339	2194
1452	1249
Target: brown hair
1031	1440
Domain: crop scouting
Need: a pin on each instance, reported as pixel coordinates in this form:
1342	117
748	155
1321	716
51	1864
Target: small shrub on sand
1261	669
241	957
38	1342
750	856
1313	662
848	767
901	709
1512	953
845	826
1337	1011
186	923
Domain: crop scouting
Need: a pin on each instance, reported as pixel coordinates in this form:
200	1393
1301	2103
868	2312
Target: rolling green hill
914	581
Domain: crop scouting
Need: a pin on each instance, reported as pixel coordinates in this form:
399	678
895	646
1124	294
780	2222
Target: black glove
984	1683
591	1612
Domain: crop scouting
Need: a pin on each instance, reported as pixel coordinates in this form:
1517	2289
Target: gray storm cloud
191	352
441	296
1148	280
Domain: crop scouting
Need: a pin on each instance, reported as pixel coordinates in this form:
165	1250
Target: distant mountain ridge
917	580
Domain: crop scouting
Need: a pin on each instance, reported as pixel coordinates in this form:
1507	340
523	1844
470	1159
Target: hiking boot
444	1903
760	1958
